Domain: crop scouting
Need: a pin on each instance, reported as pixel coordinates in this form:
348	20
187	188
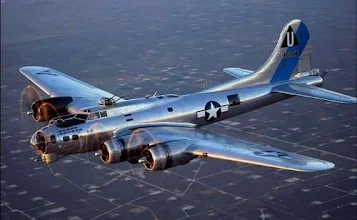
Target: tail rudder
291	55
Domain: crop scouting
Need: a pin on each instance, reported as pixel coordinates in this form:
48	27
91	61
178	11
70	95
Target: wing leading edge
57	84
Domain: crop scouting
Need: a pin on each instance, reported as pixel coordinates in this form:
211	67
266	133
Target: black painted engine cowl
46	109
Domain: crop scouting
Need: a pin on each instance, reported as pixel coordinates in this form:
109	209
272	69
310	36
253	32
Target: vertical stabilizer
291	55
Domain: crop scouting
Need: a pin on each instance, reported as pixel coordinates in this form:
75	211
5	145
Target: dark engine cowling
116	150
112	151
166	155
157	157
46	109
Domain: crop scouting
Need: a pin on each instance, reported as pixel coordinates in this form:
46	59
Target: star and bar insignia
212	111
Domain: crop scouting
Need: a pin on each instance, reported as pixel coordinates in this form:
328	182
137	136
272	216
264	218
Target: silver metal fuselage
190	109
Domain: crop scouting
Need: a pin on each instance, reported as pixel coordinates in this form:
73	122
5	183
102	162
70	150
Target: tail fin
291	55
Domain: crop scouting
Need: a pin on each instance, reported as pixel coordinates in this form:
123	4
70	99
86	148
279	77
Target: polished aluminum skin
163	131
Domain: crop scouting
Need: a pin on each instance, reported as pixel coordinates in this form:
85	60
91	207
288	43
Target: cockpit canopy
69	120
95	115
76	119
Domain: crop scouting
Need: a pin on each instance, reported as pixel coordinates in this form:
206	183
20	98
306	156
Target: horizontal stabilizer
314	92
237	72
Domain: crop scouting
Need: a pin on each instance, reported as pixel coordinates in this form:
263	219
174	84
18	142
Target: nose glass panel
38	141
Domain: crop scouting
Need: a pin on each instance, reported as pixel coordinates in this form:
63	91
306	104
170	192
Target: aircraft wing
314	92
57	84
206	144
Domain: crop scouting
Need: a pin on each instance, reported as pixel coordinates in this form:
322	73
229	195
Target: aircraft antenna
323	74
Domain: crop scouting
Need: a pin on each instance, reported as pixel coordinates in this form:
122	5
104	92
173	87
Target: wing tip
347	100
315	166
29	69
353	100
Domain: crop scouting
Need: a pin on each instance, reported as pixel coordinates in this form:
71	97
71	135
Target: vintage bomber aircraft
163	131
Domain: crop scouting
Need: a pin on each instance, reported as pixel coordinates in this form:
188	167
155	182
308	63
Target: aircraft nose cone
38	141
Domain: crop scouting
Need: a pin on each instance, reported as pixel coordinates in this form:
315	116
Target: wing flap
56	84
314	92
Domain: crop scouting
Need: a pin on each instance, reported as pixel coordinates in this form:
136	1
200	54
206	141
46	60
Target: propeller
143	138
31	103
28	96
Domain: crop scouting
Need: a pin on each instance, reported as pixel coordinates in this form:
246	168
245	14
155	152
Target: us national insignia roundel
212	111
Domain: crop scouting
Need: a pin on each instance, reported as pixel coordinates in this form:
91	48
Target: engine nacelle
164	156
112	151
46	109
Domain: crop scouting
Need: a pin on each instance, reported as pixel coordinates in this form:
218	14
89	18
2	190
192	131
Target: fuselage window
233	99
170	109
65	138
53	139
103	114
172	96
74	137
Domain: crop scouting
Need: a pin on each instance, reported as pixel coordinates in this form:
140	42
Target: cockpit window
93	116
70	120
103	114
81	116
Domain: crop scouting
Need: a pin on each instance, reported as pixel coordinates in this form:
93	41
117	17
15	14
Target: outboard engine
46	109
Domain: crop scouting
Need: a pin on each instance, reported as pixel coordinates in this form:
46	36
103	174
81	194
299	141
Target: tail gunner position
163	131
